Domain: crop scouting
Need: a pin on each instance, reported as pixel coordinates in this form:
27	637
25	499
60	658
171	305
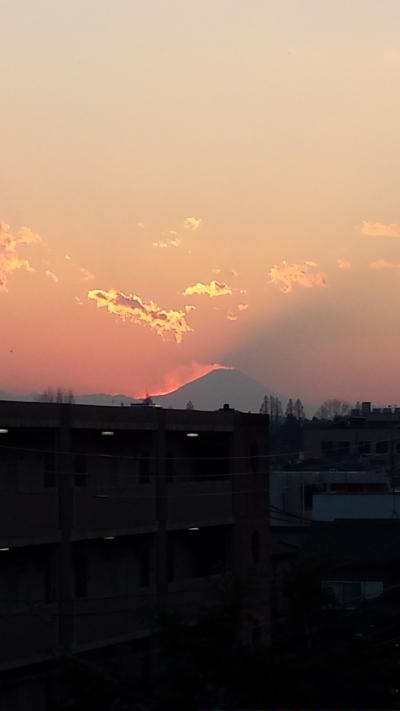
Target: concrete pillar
161	493
65	483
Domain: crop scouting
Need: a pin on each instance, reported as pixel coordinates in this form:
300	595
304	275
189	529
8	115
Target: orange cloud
192	223
383	264
52	276
213	289
10	261
234	316
343	264
378	229
286	275
131	307
87	275
171	239
27	236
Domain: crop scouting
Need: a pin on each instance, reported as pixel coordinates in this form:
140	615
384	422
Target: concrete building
293	494
298	499
357	507
371	440
359	558
110	514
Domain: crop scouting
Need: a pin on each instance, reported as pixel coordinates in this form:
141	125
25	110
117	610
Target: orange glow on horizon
169	219
182	376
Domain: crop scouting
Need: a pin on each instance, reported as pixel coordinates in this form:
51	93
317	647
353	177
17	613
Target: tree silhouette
264	407
299	412
289	407
60	395
333	408
276	411
189	405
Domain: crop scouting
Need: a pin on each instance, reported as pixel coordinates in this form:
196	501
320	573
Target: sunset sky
185	184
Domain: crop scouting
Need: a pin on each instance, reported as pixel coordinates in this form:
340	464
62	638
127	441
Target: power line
250	456
227	457
181	495
139	457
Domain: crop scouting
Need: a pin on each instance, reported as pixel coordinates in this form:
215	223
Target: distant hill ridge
209	392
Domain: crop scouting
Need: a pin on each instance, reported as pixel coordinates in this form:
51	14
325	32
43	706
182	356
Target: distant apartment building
299	501
109	514
354	537
294	493
369	436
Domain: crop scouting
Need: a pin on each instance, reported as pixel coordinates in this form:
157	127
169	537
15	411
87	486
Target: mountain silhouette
209	392
212	391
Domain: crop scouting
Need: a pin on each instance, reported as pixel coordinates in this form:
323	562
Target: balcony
199	502
102	621
114	510
189	596
28	517
29	634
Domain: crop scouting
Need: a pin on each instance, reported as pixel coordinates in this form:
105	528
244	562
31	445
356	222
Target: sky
186	185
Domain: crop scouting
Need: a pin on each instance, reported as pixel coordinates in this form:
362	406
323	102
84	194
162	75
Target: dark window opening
327	448
80	573
364	447
254	460
351	593
382	447
256	634
308	491
210	551
50	580
343	449
80	470
209	457
339	486
376	487
255	546
144	469
49	477
170	562
144	569
358	487
170	467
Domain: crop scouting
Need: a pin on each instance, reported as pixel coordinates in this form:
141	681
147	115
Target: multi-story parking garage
108	514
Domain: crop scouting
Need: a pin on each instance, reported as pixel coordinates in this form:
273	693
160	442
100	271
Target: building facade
294	493
298	499
372	440
110	514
